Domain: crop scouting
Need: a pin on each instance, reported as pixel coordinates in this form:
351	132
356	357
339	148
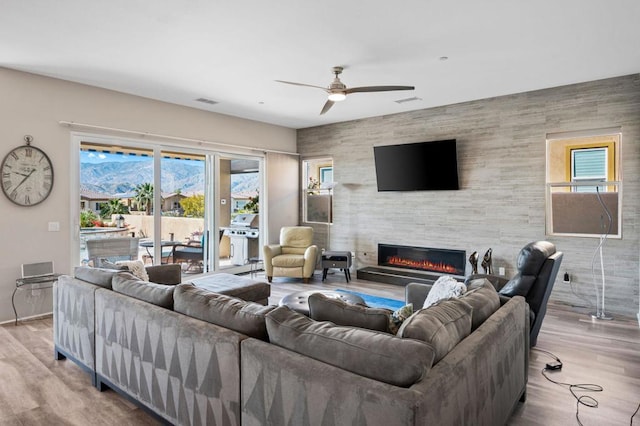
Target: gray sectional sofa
201	357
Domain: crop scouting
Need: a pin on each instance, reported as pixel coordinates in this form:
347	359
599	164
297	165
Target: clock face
27	176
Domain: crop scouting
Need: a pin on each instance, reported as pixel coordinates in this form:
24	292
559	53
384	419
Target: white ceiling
232	51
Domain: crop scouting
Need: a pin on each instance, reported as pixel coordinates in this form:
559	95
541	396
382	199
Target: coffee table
299	301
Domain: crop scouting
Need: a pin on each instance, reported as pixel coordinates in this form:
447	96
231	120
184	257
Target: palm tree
144	196
113	206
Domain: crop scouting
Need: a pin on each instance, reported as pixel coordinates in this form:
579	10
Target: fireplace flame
422	264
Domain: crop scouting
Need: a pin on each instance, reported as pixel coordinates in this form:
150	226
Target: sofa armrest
416	293
170	274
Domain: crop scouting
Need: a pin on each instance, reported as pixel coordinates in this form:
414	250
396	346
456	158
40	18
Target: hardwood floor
35	389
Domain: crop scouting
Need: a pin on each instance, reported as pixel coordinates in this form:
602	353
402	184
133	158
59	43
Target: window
576	204
317	184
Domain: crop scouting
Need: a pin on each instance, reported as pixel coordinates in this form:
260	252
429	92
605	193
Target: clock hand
21	174
24	178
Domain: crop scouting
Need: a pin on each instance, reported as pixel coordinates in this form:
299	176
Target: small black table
336	259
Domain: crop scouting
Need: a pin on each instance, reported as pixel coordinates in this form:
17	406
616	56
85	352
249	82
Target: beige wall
501	163
34	105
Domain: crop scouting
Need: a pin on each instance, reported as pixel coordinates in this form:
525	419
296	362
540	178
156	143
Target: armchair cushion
288	261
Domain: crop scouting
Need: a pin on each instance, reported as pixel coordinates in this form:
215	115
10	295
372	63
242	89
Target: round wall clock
27	175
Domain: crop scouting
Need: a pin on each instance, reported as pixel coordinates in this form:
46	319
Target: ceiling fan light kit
337	97
338	91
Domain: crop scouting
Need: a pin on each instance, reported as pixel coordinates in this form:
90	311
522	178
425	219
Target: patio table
164	243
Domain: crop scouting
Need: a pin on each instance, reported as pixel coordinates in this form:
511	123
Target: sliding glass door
191	220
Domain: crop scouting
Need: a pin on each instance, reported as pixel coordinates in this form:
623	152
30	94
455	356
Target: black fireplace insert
428	259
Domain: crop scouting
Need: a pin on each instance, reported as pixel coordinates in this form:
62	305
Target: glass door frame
212	156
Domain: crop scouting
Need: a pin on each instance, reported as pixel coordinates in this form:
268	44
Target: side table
35	283
336	259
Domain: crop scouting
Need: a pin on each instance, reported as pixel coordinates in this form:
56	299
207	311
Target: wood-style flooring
37	390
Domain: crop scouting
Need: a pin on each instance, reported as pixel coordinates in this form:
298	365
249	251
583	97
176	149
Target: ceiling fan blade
301	84
327	106
377	89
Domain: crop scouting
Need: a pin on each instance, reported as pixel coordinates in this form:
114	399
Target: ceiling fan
338	91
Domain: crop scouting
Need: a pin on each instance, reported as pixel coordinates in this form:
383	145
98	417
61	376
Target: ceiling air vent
207	101
414	98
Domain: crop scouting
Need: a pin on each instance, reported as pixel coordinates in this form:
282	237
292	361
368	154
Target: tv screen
422	166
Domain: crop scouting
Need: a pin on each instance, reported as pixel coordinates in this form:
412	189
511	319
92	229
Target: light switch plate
54	226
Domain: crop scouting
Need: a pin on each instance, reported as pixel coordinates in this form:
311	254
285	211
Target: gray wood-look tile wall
501	201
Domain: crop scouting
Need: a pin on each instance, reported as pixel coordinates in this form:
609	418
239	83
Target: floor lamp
600	312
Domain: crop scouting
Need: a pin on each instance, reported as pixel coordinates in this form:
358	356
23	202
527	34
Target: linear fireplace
422	258
403	264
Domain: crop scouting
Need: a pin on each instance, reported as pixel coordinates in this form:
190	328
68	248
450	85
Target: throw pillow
442	325
136	267
339	312
445	287
399	316
244	317
378	356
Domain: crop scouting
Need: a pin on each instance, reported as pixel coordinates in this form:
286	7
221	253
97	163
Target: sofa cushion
288	261
483	298
442	325
445	287
226	311
339	312
157	294
98	276
378	356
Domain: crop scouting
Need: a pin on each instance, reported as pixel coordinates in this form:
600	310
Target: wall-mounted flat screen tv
422	166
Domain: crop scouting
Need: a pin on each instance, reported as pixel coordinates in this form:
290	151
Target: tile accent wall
501	163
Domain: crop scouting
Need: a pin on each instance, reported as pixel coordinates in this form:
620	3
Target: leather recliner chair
296	255
538	264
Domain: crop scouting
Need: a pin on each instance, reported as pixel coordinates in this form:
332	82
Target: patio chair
191	253
112	250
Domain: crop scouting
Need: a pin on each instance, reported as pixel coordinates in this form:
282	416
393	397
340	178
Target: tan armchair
294	257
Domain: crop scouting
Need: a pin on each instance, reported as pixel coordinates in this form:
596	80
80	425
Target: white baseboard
45	314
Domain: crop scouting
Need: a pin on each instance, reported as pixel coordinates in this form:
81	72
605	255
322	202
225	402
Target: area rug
376	301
